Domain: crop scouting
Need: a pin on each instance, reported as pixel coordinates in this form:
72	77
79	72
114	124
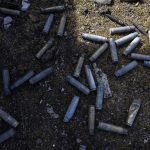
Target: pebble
52	113
25	5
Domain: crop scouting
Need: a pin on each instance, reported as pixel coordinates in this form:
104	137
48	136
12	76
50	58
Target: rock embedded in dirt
103	2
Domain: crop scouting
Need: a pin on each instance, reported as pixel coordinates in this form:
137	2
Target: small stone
39	141
25	5
62	90
7	22
103	2
52	113
78	140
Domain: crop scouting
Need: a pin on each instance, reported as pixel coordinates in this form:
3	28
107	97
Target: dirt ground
28	104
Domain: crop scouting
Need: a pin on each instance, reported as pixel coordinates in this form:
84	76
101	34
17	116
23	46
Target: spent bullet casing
99	52
23	79
147	63
48	23
133	110
126	39
9	11
82	147
79	67
78	85
71	109
120	30
7	134
8	118
137	56
94	38
91	122
100	95
62	24
132	46
6	81
54	9
113	49
43	74
149	35
48	45
90	78
126	69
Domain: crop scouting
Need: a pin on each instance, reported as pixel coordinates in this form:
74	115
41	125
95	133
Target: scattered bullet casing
7	134
48	23
48	45
99	52
112	128
6	81
79	67
140	56
9	11
100	95
62	24
94	38
149	35
113	49
90	78
126	69
53	9
43	74
71	109
132	46
91	123
147	63
8	118
120	30
133	110
78	85
82	147
126	39
23	79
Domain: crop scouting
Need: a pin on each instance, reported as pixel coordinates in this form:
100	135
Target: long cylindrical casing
120	30
71	109
126	39
90	78
91	123
94	38
147	63
6	81
79	66
9	11
78	85
140	56
54	9
99	52
126	69
48	23
149	35
113	49
8	118
48	45
7	134
23	79
132	46
100	95
112	128
43	74
62	24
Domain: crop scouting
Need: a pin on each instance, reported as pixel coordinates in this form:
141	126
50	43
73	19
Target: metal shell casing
137	56
54	9
10	11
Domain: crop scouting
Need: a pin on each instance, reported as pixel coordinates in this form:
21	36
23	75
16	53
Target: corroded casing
147	63
137	56
54	9
10	11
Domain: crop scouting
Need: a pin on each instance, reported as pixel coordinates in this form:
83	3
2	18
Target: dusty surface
38	130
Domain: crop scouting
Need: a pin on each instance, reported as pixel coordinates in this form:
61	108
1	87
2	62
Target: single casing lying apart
48	45
23	79
132	46
94	38
133	110
7	11
7	134
43	74
126	39
91	122
62	25
82	147
71	109
8	118
140	57
126	69
54	9
149	35
90	78
147	63
78	85
79	66
6	81
119	30
113	49
99	52
112	128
